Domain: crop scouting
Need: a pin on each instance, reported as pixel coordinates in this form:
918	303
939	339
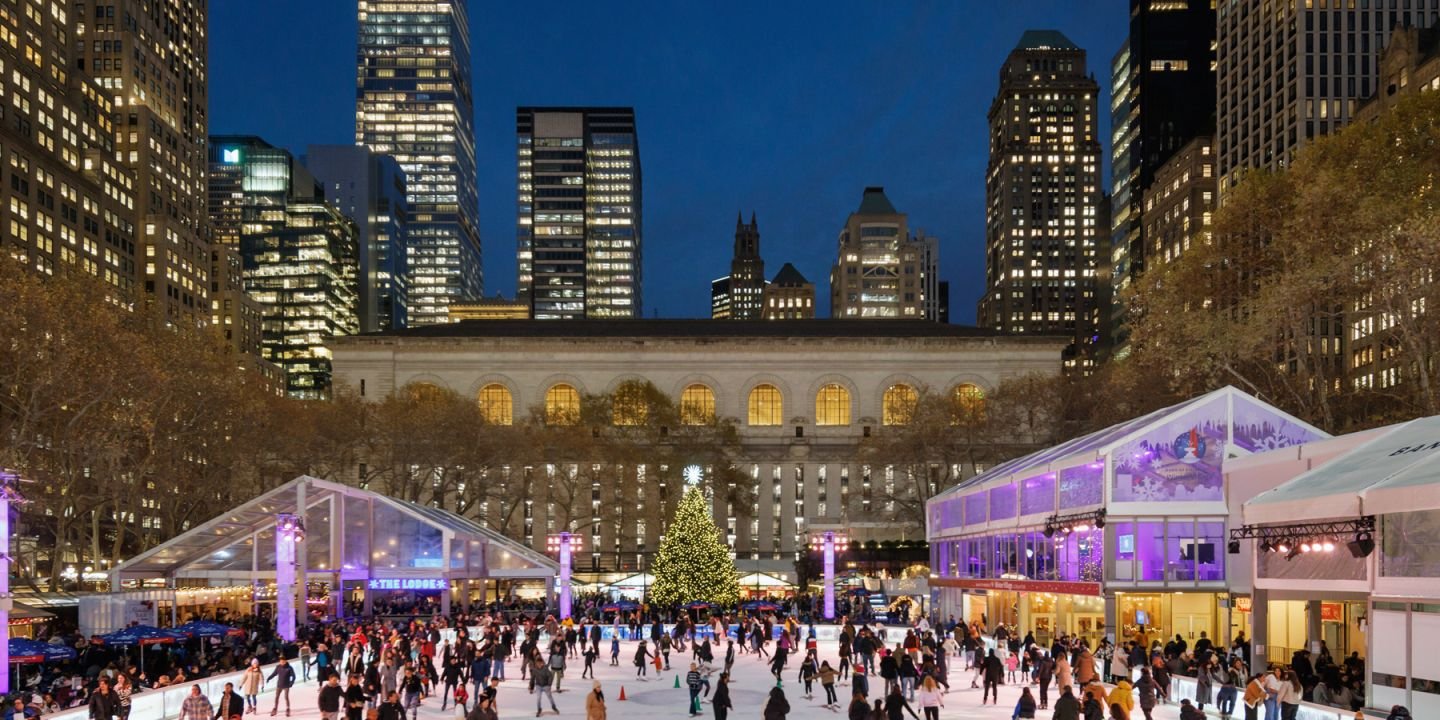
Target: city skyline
795	158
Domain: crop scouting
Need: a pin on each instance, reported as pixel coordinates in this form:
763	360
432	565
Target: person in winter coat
827	683
931	699
1149	691
641	654
896	707
721	699
776	707
1254	699
250	683
1044	674
1204	680
859	708
540	679
1063	675
1124	696
284	677
1190	712
1085	668
1118	713
391	709
1025	706
595	703
1119	666
1092	708
1067	707
994	674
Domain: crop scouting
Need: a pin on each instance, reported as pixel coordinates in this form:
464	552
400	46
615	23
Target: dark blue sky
787	109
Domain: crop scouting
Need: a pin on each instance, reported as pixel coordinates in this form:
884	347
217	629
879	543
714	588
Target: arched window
562	405
423	392
628	405
832	405
497	407
697	405
900	401
766	406
967	403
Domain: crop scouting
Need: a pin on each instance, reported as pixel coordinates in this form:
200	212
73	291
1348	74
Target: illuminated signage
230	156
407	584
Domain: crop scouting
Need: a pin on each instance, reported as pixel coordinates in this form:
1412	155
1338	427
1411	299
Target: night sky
787	109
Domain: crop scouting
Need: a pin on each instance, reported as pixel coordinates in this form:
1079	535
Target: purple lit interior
1037	494
1070	557
975	509
1082	486
1002	502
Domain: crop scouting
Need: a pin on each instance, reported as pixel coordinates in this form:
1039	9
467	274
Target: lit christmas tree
694	562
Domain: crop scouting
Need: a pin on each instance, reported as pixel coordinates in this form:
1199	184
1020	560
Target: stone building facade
804	394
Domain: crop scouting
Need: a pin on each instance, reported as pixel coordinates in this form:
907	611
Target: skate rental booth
364	553
1119	534
1371	502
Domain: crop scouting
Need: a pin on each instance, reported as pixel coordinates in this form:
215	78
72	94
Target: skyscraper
370	189
1163	97
789	296
152	58
1043	194
299	255
578	215
66	204
740	295
880	269
1288	72
413	102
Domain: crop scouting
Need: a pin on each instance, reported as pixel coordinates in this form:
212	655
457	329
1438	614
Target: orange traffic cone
622	693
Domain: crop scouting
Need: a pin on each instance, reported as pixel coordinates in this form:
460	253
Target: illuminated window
766	405
968	403
424	392
697	405
832	405
628	405
562	405
900	403
496	405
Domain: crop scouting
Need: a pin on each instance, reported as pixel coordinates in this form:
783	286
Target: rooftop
692	328
789	276
1045	40
874	202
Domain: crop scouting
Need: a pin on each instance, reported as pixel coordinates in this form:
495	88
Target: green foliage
694	562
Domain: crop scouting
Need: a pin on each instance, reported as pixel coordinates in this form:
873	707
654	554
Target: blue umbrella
697	605
25	650
208	629
140	635
760	605
619	606
859	591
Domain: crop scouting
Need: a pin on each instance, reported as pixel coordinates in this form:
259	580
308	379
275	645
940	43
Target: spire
753	223
739	220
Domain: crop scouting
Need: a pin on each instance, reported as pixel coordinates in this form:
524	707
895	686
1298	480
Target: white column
285	540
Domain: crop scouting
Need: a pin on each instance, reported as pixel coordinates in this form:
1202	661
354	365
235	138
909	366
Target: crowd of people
385	667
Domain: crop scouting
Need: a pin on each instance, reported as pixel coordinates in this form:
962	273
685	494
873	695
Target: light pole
829	543
289	531
564	544
9	493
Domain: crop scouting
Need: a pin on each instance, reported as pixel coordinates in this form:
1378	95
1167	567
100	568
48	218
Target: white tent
634	582
763	580
1397	470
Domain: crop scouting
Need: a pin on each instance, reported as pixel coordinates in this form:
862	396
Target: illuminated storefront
1117	534
371	547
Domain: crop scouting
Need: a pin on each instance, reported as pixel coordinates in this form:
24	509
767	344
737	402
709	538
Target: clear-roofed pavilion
358	546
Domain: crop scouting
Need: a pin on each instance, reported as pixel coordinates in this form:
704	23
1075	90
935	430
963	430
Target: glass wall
1065	557
1037	495
1181	549
1410	544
